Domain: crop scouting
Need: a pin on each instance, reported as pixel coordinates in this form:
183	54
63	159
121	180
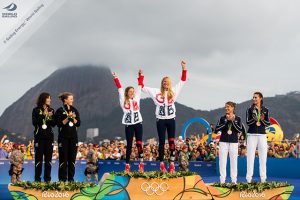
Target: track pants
67	148
162	126
43	149
137	131
259	141
232	149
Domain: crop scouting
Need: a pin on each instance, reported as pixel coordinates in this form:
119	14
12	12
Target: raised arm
140	84
2	139
116	79
182	81
148	90
184	70
120	89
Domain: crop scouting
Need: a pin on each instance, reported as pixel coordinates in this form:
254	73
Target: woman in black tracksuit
43	122
68	120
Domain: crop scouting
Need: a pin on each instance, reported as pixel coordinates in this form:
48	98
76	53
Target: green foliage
254	186
59	186
153	174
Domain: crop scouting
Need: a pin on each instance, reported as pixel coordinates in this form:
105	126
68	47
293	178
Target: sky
232	48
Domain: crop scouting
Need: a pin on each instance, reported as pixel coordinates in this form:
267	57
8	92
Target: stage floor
5	195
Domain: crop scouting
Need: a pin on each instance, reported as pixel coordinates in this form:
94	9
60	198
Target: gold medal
229	132
44	126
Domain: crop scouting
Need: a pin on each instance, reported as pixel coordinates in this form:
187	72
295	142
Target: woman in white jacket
132	119
164	99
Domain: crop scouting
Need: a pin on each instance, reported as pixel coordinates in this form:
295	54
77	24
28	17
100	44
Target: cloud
233	48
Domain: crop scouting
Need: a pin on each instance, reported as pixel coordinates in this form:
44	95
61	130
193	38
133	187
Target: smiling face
48	101
131	93
229	109
256	99
69	100
166	83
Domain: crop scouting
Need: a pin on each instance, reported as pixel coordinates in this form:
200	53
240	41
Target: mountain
94	92
97	100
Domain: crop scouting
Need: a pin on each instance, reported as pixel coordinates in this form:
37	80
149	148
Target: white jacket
165	109
131	111
132	114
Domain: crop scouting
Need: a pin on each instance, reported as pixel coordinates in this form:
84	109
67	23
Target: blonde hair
170	91
126	100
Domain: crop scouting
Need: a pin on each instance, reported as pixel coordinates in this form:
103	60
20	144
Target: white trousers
232	149
259	141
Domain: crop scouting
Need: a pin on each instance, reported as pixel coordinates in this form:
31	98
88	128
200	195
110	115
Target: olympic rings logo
154	188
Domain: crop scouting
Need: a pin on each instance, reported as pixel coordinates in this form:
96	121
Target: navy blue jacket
252	120
223	126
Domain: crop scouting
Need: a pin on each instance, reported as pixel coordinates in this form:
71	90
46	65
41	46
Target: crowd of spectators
198	150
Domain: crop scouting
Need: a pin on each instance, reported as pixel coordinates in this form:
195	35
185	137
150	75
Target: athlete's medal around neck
229	128
229	132
44	126
71	124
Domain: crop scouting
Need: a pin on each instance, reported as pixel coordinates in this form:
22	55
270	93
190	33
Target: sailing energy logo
10	8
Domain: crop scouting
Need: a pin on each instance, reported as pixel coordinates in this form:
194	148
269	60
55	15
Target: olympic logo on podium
154	188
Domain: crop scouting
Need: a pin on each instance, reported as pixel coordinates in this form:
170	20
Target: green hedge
59	186
254	186
154	174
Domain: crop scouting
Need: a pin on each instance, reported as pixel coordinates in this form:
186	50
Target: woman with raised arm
257	120
164	98
132	118
68	120
230	126
43	122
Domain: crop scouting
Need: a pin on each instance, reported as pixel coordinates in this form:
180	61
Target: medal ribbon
229	126
258	115
67	112
46	118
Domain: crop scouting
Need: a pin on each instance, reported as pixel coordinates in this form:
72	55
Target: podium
117	187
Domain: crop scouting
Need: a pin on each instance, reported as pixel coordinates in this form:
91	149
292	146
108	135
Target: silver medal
44	126
71	124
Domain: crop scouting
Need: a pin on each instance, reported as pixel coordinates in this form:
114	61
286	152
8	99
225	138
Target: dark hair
232	104
42	99
260	95
63	96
